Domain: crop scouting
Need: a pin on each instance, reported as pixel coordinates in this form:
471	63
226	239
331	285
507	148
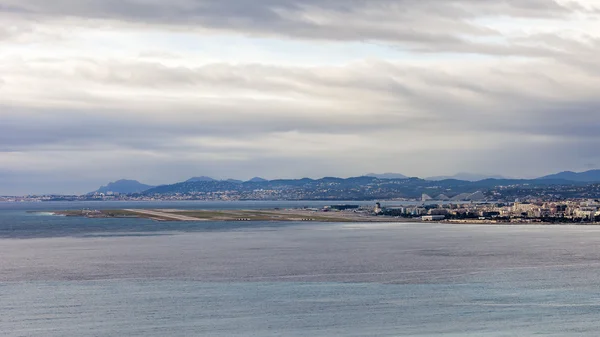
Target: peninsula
570	211
232	215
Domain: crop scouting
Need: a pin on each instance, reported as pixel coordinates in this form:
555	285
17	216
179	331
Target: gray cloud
267	9
516	101
426	26
422	24
8	32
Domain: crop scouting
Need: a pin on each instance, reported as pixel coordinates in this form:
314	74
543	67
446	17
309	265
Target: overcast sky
92	91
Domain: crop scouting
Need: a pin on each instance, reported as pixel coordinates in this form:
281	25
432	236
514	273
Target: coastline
282	215
231	215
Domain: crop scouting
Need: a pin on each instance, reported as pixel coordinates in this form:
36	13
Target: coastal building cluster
577	210
33	198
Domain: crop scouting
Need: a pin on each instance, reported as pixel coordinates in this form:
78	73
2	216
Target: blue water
17	222
64	276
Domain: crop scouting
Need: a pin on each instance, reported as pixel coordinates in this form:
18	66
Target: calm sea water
63	276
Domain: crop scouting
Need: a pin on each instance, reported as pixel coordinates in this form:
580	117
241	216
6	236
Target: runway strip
164	215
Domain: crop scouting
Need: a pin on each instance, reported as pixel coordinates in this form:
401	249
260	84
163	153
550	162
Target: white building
433	217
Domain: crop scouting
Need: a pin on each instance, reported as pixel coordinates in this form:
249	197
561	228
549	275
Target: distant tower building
377	209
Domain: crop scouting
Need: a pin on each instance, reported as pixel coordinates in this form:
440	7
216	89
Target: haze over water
64	276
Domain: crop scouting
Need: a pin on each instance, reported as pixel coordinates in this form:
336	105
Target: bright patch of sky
176	48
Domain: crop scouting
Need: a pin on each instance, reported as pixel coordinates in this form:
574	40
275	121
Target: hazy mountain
234	181
196	179
124	186
387	176
371	188
257	180
588	176
466	177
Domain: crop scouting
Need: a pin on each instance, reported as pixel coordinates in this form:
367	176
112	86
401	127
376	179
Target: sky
93	91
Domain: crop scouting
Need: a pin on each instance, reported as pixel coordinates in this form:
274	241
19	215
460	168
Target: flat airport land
280	215
232	215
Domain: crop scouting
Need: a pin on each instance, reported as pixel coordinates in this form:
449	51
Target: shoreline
230	215
282	215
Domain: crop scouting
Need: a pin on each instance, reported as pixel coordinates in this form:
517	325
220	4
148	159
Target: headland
234	215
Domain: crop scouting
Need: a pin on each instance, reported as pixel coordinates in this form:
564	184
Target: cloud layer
92	91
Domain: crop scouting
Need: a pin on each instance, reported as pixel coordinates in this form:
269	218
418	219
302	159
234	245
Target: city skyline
93	91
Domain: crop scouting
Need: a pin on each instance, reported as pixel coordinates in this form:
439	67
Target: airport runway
164	215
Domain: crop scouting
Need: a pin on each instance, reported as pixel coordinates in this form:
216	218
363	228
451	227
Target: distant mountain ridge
124	186
209	179
202	178
387	176
587	176
461	183
466	177
356	188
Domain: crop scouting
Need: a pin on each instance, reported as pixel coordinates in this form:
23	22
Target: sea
68	276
